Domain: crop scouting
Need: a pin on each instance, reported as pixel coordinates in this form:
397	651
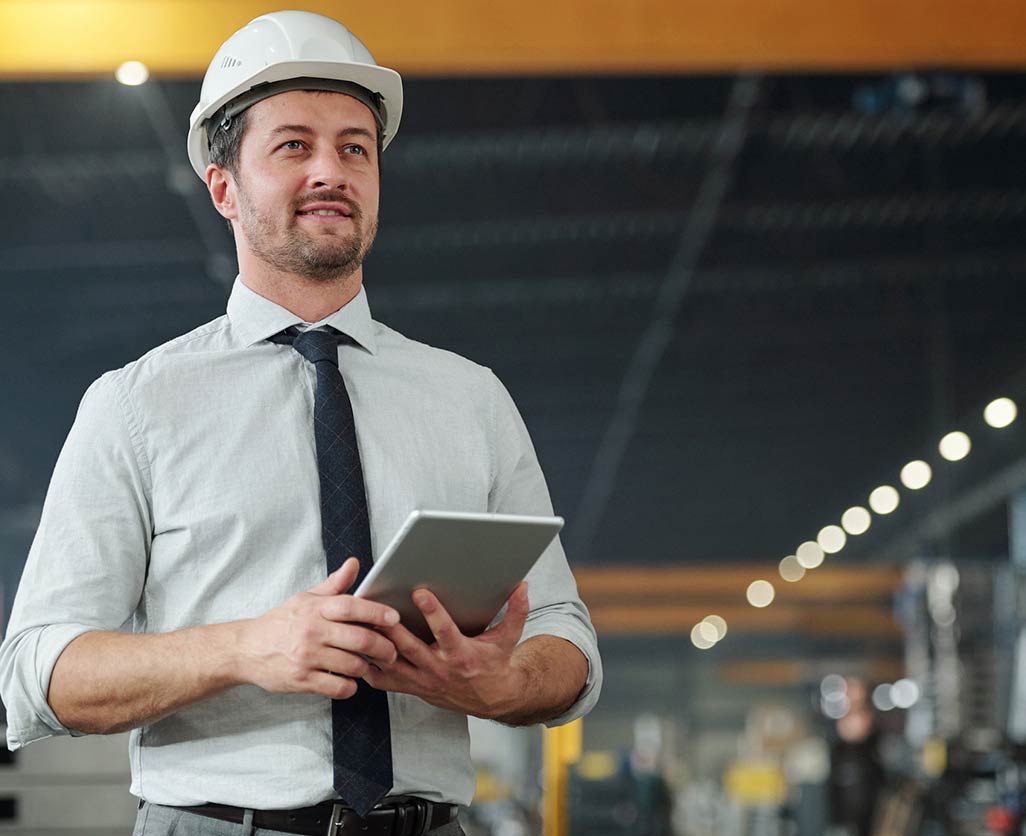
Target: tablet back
472	562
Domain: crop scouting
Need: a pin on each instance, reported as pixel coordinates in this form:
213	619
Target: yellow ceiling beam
854	621
833	582
784	673
176	38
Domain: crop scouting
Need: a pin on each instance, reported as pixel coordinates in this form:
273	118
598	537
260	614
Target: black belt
405	816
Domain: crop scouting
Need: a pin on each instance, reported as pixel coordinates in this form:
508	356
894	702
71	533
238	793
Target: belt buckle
335	823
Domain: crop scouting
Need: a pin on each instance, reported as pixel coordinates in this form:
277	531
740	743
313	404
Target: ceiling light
699	640
132	73
760	593
916	475
856	520
718	623
882	697
904	693
1000	413
833	685
884	499
831	538
836	709
809	555
790	569
955	446
708	632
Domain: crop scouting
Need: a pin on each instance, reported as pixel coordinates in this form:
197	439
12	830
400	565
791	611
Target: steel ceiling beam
658	333
556	147
920	536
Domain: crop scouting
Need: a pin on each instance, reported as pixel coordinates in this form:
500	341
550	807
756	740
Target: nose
327	170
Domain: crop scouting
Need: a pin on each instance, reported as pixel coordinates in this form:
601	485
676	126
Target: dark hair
226	143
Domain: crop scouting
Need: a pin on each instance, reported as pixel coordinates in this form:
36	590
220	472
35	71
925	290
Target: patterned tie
361	737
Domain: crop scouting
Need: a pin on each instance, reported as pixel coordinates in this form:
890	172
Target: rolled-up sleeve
87	564
519	487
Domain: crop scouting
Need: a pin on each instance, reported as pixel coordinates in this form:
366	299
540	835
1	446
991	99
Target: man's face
308	184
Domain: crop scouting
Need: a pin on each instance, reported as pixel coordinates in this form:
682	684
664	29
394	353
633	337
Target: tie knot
318	345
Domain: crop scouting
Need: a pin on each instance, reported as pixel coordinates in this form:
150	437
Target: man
176	583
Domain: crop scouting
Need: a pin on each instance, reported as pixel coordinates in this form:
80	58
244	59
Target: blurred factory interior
753	275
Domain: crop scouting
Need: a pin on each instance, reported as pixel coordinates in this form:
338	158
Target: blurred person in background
176	585
856	771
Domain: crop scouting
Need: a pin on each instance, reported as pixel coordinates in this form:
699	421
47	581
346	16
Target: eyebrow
306	130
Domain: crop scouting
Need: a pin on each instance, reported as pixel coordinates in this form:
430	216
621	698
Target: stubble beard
321	257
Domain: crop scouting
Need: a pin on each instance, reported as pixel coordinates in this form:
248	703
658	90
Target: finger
508	631
401	677
340	580
411	647
443	628
346	608
353	638
341	662
329	685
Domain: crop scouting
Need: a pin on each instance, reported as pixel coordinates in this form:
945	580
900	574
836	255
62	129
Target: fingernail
391	617
420	598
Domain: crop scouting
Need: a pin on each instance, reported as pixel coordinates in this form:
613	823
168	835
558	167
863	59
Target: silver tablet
472	562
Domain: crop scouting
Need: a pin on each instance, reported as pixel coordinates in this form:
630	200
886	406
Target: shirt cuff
29	716
584	640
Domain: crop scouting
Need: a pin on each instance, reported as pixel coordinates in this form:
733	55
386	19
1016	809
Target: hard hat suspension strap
222	120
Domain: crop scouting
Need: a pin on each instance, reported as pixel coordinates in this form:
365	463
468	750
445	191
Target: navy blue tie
361	733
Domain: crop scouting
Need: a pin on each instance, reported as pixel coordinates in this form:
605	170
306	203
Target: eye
353	148
293	145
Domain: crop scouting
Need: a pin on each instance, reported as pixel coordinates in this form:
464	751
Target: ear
221	186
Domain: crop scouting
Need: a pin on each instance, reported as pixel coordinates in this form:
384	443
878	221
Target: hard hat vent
228	62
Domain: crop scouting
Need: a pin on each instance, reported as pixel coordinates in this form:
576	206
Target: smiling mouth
329	213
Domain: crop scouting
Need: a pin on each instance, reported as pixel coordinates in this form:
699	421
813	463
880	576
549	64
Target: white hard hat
291	50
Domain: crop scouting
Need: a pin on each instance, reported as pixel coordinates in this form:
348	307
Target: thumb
511	628
340	580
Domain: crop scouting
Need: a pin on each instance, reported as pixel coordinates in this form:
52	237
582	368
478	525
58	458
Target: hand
470	675
317	641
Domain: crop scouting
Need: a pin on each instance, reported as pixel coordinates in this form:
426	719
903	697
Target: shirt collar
256	318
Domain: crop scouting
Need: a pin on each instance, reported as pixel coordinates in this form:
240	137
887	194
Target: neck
309	299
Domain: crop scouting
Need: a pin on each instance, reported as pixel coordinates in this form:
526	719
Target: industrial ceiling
728	304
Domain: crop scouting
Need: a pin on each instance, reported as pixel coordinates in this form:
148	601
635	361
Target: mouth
325	210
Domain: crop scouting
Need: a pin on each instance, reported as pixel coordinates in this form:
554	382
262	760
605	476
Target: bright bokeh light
904	693
718	623
1000	412
884	500
708	632
833	685
698	640
837	708
790	569
831	538
916	474
132	73
955	446
882	697
760	593
856	520
809	555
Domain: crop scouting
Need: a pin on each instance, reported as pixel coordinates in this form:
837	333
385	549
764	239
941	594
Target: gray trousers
155	820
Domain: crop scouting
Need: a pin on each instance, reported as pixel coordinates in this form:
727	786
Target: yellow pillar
562	747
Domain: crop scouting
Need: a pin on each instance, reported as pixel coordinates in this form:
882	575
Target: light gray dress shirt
187	493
